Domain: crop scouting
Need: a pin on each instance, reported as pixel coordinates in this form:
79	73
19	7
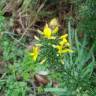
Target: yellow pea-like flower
61	49
54	25
35	52
50	29
64	36
64	45
54	22
56	30
47	31
63	42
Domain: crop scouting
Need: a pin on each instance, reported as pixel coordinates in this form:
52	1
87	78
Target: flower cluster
49	33
50	29
64	45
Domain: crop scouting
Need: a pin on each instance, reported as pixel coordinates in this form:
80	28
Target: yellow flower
61	49
54	23
47	31
56	30
64	45
64	36
63	42
35	52
50	29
